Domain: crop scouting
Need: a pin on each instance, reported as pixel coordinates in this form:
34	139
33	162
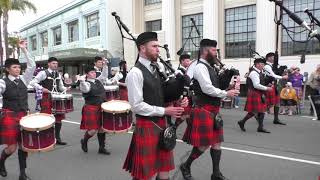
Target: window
190	46
33	42
153	25
149	2
93	27
288	47
57	35
240	30
44	39
73	32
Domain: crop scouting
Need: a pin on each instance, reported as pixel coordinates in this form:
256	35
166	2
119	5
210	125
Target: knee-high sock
248	116
195	153
215	156
260	118
276	113
4	156
86	137
22	156
101	140
57	130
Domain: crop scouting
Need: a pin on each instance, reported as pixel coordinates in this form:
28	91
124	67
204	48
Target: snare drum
62	103
112	92
116	116
37	132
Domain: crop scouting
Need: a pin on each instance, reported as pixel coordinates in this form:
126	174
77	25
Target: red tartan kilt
46	106
10	127
145	158
200	130
272	98
123	93
91	117
254	102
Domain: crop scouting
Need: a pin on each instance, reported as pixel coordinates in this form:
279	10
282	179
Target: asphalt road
290	152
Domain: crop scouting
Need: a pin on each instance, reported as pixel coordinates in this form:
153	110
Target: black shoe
59	142
262	130
84	146
241	125
104	151
279	122
218	177
3	171
186	173
24	177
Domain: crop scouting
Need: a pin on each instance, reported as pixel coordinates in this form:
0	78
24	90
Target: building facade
76	33
83	29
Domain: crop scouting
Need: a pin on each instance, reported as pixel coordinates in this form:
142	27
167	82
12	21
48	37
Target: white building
235	24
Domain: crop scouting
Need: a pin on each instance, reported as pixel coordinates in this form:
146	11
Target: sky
17	19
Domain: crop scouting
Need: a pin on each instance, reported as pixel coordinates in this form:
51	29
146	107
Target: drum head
37	121
111	88
116	106
61	96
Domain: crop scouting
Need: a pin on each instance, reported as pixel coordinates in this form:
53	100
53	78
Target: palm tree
13	42
3	4
14	5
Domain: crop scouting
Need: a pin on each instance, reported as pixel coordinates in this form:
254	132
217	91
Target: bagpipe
225	74
173	83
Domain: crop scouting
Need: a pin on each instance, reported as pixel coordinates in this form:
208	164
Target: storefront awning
79	53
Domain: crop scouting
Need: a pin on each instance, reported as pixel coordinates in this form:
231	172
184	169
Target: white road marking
243	151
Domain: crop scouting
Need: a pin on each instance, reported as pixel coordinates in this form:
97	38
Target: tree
13	42
13	5
3	4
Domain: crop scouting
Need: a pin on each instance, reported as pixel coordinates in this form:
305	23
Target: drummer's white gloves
178	72
81	78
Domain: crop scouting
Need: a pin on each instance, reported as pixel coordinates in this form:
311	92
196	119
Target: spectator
314	83
297	81
67	80
288	99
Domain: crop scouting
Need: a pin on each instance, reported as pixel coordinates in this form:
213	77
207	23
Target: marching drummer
99	66
14	92
94	95
50	81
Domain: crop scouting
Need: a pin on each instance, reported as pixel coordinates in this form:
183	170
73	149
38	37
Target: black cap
11	61
146	37
208	43
259	60
52	59
270	54
184	56
97	58
89	68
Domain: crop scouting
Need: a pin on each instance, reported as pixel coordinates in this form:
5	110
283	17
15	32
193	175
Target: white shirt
26	77
201	74
255	78
134	83
85	87
42	76
268	70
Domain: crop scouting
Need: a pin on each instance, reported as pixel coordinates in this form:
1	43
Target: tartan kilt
10	127
145	158
123	93
91	117
46	106
272	98
200	128
254	102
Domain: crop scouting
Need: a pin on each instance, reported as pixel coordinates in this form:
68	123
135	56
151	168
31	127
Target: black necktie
16	81
154	67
